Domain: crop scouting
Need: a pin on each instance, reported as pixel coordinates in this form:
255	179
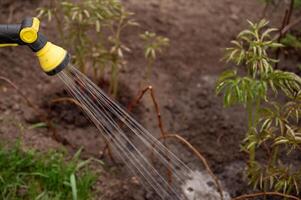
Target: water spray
52	58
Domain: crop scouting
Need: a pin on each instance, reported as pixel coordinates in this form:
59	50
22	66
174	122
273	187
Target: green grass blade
73	186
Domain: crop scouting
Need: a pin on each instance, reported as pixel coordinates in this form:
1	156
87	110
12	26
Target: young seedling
295	3
153	46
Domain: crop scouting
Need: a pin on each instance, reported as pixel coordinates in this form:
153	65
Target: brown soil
184	80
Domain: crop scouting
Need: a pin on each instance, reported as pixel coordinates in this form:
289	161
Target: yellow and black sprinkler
52	58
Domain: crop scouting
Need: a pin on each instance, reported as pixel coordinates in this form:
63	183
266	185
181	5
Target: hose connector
52	58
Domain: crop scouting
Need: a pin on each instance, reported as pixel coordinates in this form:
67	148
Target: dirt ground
184	80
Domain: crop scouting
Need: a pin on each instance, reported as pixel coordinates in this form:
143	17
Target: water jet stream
130	141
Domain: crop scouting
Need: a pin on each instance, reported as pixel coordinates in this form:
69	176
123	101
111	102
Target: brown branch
66	99
200	156
285	22
290	12
160	123
247	196
137	99
265	10
291	25
156	106
159	119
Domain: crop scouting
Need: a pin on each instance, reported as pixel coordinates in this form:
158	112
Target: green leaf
267	33
281	140
291	41
41	196
73	186
77	154
266	124
276	45
97	26
229	74
262	23
83	164
245	33
251	145
38	125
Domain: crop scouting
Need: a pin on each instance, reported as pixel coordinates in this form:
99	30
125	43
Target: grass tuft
41	176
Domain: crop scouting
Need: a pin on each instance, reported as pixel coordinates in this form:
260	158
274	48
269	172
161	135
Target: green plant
291	40
273	124
153	45
32	175
294	42
297	3
92	30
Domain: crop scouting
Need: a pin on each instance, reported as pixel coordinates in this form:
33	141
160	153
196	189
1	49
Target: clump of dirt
63	111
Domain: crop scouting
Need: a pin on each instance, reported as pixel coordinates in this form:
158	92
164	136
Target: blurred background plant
296	3
273	124
92	31
292	41
289	36
153	46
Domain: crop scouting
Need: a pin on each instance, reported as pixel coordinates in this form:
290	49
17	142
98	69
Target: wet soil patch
62	110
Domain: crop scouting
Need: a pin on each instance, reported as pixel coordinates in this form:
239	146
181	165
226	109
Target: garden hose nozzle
52	58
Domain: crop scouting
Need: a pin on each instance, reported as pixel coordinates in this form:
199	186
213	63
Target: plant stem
114	80
95	74
274	155
250	126
101	72
150	62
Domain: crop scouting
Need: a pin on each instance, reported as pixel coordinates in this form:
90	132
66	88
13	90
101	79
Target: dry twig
138	99
285	22
159	119
248	196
